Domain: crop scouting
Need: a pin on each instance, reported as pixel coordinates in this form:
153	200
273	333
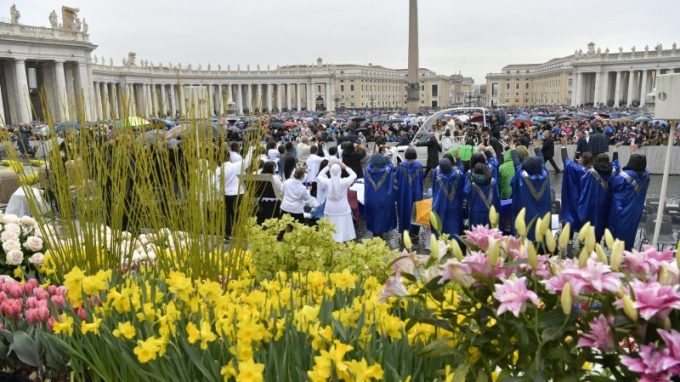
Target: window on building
569	82
342	87
526	86
422	88
494	89
516	85
507	86
351	87
351	104
435	91
318	89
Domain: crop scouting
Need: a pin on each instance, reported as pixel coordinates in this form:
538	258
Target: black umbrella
358	119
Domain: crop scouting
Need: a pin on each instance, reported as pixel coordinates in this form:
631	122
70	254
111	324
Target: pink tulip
40	293
58	300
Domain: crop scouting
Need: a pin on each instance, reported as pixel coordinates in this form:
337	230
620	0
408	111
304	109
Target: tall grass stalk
103	191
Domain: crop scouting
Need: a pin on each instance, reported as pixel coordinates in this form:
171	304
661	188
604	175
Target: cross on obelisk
413	86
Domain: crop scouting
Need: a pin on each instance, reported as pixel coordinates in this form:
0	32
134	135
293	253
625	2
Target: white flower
14	257
13	227
33	243
10	218
9	235
28	222
37	259
11	245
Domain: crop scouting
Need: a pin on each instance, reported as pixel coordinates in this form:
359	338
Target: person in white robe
337	209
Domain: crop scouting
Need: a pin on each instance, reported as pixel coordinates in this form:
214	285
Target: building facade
594	77
53	72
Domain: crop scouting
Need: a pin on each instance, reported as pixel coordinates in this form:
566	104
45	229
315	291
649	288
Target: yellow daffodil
125	330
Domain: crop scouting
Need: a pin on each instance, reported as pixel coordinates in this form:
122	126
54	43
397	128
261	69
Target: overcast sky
467	36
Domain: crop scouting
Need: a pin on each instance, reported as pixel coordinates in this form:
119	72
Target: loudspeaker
667	96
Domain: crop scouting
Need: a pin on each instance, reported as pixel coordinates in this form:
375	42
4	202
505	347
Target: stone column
270	96
578	93
106	106
181	92
164	103
279	88
173	101
249	98
604	92
115	105
239	98
298	98
83	90
643	88
156	101
211	100
23	98
62	104
220	100
3	119
98	102
259	101
311	96
288	89
617	88
631	87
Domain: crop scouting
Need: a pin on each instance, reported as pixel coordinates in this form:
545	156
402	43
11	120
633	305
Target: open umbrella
289	124
358	119
67	126
643	118
132	122
151	136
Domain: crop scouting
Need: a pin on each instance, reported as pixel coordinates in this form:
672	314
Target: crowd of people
471	164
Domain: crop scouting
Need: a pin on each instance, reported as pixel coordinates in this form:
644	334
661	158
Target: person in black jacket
598	142
548	150
352	156
582	145
288	160
433	150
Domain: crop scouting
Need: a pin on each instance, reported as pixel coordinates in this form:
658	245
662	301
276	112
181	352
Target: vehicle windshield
465	115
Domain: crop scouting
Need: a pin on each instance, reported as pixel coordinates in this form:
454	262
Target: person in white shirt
296	196
272	151
313	163
228	174
303	150
337	209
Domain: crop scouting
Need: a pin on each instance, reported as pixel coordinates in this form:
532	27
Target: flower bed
480	308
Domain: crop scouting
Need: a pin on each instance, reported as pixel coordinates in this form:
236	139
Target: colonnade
616	88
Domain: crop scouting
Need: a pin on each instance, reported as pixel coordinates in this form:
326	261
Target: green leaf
550	334
438	348
460	373
26	349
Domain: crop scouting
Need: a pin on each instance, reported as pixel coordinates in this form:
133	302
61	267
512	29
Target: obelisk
413	86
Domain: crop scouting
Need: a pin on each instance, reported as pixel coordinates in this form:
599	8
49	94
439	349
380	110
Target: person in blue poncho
571	186
409	189
380	196
628	189
594	201
531	189
448	184
481	192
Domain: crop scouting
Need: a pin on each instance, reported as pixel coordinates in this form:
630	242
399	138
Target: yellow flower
64	325
343	281
180	286
362	372
73	283
228	371
205	334
18	273
146	350
125	330
391	326
93	327
249	371
94	284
